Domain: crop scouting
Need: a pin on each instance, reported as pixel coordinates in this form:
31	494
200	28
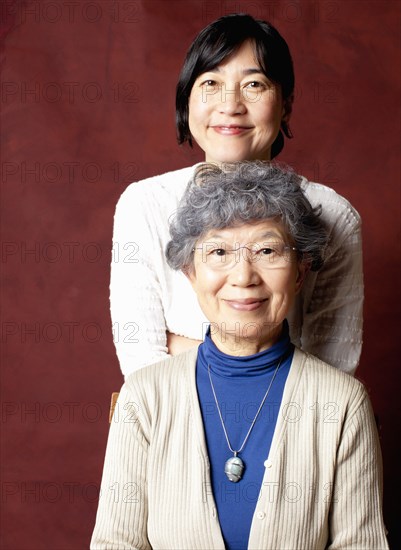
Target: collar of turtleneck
229	366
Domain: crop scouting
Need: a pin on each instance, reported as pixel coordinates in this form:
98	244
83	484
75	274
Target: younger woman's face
235	111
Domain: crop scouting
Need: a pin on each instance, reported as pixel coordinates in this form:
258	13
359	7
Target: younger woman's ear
302	270
287	109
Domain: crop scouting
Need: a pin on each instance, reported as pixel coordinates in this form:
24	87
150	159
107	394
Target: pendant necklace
234	466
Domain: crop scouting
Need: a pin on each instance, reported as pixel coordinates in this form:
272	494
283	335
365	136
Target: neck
222	164
232	344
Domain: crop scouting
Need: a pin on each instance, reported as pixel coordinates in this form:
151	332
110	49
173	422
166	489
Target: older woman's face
235	112
247	296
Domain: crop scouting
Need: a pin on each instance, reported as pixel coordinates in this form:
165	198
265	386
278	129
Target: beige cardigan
322	482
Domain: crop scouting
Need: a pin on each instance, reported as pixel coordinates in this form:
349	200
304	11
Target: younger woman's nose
231	100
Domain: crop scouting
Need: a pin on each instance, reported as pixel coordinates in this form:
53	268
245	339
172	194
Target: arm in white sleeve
333	311
356	508
121	521
139	325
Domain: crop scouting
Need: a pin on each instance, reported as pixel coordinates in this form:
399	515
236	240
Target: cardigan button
267	464
261	515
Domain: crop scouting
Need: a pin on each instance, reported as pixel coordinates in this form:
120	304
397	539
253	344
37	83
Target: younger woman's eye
209	82
255	85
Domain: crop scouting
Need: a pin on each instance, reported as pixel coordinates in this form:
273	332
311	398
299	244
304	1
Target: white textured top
322	485
148	298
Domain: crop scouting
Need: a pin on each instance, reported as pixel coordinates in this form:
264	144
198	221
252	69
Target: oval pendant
234	468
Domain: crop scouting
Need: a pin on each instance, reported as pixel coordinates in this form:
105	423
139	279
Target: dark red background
93	84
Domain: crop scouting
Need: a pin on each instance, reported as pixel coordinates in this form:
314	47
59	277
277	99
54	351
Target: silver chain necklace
234	466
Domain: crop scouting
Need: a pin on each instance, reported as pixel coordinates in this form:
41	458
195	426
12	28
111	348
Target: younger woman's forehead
247	45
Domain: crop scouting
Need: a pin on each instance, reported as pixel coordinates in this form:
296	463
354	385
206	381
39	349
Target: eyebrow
245	72
270	234
265	235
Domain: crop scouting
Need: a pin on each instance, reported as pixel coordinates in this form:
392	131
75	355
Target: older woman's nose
232	101
244	272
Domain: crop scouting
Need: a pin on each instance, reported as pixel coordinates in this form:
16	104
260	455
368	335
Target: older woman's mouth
247	304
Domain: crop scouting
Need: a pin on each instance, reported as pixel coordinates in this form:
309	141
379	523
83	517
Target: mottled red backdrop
87	107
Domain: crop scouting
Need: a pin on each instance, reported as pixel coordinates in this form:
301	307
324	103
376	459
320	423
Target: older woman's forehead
248	232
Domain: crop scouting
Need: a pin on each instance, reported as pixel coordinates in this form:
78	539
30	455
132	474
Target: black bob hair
219	40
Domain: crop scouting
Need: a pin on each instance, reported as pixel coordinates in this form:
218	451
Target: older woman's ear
302	270
189	273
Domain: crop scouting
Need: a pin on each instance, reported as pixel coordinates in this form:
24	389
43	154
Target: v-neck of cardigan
290	389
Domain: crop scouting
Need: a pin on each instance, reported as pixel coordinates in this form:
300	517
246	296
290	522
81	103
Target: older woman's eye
218	252
270	250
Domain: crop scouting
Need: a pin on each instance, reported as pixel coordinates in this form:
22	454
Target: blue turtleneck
240	384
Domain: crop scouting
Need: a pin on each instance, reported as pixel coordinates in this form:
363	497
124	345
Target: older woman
234	99
247	442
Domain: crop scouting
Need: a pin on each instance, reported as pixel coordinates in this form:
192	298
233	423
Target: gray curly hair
245	192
